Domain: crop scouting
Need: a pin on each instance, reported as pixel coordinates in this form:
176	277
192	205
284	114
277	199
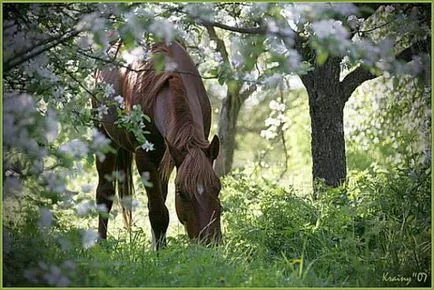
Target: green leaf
128	40
90	158
322	57
147	118
395	83
159	62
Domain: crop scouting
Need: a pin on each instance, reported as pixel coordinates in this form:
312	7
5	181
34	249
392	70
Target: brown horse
180	114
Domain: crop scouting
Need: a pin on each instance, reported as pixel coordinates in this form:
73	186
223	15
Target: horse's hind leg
105	191
158	212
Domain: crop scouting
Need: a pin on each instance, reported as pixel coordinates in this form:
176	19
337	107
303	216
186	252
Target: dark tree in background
384	26
328	96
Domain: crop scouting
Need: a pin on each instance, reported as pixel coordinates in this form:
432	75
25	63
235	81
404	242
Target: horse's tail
125	185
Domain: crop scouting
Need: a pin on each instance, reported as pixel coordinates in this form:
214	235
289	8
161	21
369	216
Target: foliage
394	125
379	224
353	236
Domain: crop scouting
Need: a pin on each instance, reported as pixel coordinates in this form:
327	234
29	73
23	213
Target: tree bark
326	108
227	131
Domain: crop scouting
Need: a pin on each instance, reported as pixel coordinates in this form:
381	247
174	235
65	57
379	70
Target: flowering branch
120	64
19	59
361	74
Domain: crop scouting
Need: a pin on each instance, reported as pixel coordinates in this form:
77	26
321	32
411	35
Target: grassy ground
378	228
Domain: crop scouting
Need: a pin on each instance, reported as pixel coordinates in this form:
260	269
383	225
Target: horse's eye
182	194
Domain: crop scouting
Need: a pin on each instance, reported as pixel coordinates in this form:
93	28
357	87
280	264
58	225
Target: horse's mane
144	84
188	137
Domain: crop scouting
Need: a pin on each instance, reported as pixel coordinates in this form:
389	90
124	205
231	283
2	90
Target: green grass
273	237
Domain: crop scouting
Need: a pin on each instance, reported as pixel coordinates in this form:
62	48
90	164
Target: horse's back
125	84
198	98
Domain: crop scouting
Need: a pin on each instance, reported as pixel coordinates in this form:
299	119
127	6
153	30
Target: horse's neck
175	121
161	112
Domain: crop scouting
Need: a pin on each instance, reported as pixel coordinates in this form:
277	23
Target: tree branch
37	51
120	64
261	30
71	75
244	30
245	94
365	10
361	74
354	79
221	47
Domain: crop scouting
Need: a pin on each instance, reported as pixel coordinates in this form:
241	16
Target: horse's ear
214	147
177	155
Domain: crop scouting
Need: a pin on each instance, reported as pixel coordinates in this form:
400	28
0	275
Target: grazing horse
180	112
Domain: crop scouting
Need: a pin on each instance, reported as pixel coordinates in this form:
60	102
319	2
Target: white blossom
273	81
276	106
20	123
129	203
89	239
146	179
56	278
170	65
134	25
91	22
100	143
116	175
330	28
86	188
136	54
12	185
85	208
389	9
48	274
102	110
344	8
267	134
85	42
76	148
147	146
164	29
294	60
65	243
52	126
218	57
53	182
353	22
45	219
272	122
101	208
120	100
272	26
108	90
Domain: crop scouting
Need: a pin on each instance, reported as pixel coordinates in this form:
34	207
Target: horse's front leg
156	192
105	191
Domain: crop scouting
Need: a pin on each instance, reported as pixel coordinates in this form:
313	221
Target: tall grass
376	227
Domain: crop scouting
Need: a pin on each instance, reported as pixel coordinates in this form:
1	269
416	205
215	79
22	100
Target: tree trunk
230	109
326	107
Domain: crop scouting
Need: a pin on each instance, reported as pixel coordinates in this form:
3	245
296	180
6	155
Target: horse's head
197	192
